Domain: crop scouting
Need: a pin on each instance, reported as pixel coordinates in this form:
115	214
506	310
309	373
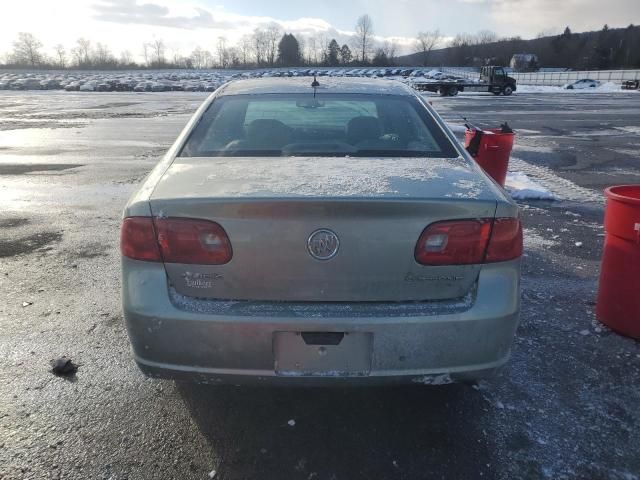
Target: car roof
327	85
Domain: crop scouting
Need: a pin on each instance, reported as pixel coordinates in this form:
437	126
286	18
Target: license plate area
325	354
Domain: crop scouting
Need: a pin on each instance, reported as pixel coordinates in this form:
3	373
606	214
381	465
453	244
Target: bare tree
322	45
233	54
102	56
82	52
260	42
158	51
272	36
363	37
207	58
178	59
427	41
201	58
223	53
244	46
145	53
198	58
486	36
302	46
126	58
314	48
61	53
26	50
461	40
390	49
312	51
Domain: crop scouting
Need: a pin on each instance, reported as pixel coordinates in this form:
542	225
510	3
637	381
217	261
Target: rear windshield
326	125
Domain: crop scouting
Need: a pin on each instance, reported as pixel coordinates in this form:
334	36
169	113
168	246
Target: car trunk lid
271	207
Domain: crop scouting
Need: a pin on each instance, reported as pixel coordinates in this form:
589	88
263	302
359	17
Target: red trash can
493	151
618	304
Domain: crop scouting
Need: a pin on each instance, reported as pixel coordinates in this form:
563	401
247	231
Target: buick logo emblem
323	244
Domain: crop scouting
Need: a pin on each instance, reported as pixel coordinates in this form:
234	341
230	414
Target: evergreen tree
602	51
345	54
289	50
333	51
380	58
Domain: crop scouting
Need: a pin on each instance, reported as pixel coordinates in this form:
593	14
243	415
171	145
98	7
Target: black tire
507	90
453	91
497	93
443	91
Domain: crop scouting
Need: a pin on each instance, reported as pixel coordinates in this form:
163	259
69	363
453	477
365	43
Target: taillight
467	242
458	242
185	240
138	239
506	240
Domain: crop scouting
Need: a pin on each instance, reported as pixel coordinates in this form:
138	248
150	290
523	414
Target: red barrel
493	152
618	304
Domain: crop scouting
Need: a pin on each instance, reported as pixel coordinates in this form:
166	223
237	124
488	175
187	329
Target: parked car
584	83
72	87
88	86
342	235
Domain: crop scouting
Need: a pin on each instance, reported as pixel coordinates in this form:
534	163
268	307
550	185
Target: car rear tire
453	91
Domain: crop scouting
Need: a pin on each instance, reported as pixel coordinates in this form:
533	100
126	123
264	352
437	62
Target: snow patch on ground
521	187
633	129
608	87
535	241
561	188
456	128
532	148
442	379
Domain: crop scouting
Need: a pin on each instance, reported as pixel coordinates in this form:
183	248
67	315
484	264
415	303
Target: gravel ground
566	406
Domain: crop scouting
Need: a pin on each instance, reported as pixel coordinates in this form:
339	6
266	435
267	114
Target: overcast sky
183	24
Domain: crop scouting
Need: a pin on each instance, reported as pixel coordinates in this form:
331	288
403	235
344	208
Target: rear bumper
444	343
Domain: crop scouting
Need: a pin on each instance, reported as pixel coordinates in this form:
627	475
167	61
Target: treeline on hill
601	50
271	47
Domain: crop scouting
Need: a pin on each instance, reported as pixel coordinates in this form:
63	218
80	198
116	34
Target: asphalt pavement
567	406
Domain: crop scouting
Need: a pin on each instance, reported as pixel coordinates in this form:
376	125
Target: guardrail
555	79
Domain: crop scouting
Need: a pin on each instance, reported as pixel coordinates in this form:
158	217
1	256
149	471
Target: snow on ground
608	87
521	187
526	181
457	128
561	188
